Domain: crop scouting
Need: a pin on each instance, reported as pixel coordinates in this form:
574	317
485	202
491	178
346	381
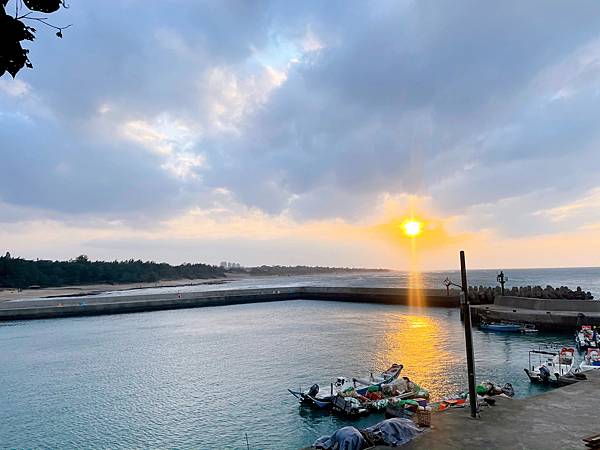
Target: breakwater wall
479	295
98	305
550	314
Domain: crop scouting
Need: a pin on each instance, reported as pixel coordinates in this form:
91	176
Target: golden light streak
412	228
420	343
415	281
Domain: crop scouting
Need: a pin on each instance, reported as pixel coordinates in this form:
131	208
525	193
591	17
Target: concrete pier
551	314
97	305
557	419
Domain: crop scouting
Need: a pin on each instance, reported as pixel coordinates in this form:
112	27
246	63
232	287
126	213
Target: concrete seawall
544	313
97	305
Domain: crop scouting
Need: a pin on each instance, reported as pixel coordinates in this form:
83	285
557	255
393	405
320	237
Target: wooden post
468	337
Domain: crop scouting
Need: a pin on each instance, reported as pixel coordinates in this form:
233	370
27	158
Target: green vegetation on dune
22	273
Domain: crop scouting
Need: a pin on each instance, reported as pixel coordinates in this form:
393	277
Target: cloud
308	111
14	88
577	213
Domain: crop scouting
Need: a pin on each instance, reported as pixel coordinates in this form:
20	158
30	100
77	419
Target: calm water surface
201	378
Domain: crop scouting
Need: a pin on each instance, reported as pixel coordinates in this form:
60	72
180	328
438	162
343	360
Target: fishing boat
591	360
529	328
500	326
314	397
348	406
586	338
362	385
553	367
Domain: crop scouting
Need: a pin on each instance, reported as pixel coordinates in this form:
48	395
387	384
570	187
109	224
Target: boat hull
504	328
553	382
326	402
584	347
558	369
305	399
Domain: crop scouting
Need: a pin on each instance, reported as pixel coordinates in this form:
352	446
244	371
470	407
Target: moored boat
362	385
314	397
348	406
587	337
591	360
501	326
553	367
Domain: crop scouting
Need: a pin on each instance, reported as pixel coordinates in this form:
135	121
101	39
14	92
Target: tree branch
43	20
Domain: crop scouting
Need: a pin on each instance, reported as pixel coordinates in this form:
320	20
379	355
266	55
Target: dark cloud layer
474	104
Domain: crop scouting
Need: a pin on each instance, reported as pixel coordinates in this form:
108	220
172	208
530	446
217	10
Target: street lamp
500	278
447	282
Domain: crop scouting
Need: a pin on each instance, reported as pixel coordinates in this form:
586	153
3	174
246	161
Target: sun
412	228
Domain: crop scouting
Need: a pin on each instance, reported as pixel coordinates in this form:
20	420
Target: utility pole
468	336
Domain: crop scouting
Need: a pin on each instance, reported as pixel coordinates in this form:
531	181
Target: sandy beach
8	294
92	289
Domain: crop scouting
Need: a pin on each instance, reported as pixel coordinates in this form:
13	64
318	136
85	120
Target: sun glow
412	228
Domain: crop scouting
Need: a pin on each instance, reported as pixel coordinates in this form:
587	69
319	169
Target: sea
218	377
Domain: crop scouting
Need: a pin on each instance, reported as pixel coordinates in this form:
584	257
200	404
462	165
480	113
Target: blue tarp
347	438
394	432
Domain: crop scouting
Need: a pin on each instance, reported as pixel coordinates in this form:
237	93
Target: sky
278	132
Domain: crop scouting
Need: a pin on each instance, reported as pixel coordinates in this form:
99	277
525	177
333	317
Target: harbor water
207	377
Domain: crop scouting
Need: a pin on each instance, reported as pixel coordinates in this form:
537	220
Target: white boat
529	328
586	338
591	360
552	366
387	376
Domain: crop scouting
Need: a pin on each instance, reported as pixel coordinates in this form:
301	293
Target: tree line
23	273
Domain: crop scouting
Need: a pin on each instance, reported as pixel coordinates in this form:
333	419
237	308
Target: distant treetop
22	273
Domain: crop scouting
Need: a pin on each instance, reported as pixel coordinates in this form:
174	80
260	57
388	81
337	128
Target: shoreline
10	294
85	290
